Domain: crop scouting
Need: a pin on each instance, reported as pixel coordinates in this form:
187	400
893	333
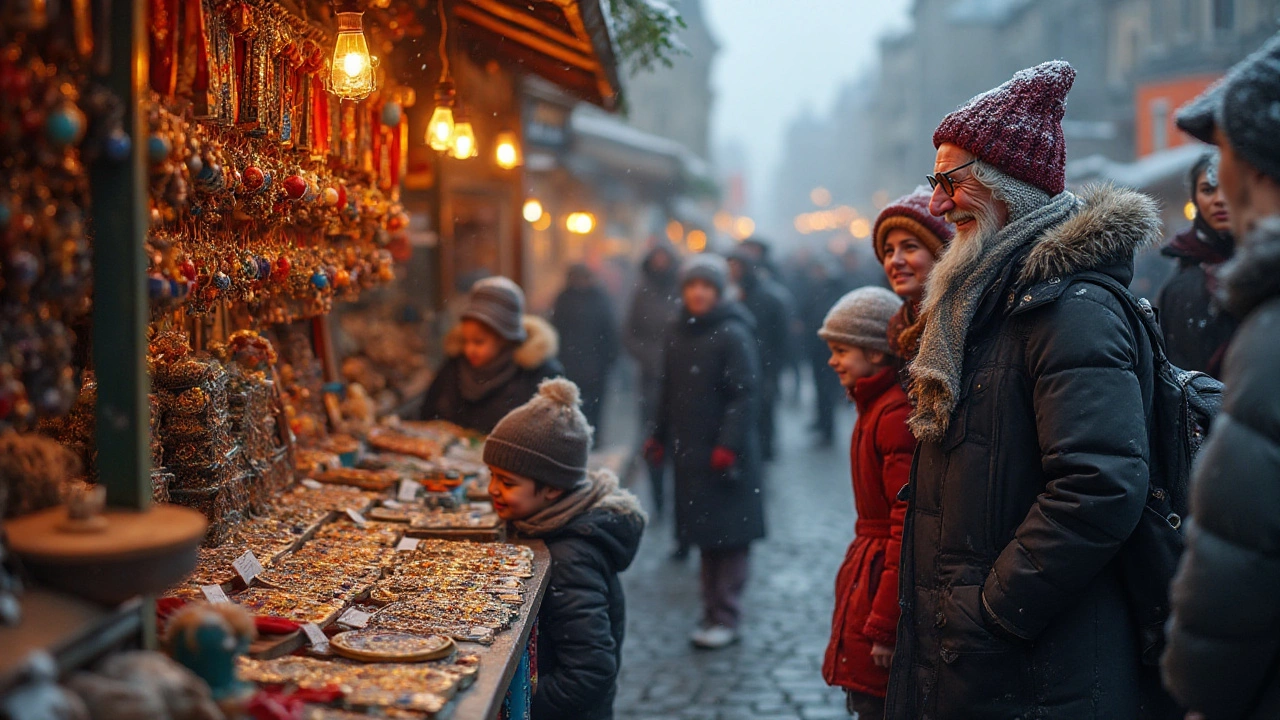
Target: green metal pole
119	273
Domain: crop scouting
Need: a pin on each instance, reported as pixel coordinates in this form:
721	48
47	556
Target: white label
391	504
315	635
314	485
356	517
248	567
355	618
408	491
214	593
407	544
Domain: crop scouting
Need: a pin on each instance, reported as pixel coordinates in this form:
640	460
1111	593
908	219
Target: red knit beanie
1017	127
911	213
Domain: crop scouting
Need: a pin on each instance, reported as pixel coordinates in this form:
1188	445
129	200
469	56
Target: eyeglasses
944	179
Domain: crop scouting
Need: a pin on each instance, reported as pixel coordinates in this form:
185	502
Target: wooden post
119	274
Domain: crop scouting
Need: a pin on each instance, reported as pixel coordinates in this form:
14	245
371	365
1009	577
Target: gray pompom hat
706	266
499	304
546	440
861	318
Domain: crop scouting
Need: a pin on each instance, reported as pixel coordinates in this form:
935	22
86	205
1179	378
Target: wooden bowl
134	552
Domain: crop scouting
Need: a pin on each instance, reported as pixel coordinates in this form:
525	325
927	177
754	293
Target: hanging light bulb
463	143
506	151
351	72
441	126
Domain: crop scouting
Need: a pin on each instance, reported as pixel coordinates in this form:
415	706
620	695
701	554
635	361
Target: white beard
962	255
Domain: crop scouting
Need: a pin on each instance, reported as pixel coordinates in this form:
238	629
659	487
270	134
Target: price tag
408	491
315	635
355	618
356	517
308	482
248	567
409	543
214	593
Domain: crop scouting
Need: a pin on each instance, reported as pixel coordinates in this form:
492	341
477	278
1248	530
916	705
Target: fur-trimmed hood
1252	276
1111	225
541	345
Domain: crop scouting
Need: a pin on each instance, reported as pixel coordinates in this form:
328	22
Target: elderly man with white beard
1032	389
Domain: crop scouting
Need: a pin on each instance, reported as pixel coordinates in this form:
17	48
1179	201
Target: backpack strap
1140	308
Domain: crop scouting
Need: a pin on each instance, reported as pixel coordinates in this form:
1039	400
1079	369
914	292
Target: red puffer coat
867	585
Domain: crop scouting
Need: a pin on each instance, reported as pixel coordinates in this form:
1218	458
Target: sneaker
714	637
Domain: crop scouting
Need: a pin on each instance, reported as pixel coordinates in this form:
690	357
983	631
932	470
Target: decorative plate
390	646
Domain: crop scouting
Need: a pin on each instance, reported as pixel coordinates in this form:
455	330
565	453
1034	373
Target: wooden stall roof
564	41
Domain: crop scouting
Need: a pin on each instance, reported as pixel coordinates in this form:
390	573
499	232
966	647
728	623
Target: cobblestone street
775	672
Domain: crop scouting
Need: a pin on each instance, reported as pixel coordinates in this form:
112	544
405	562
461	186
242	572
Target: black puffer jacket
583	616
536	358
1223	657
773	309
710	397
1012	606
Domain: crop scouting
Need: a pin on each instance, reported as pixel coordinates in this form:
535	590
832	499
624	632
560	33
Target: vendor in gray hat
497	355
1225	631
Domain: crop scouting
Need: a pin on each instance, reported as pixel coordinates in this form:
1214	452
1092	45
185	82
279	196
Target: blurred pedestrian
707	421
1030	387
497	355
655	305
908	240
583	315
1196	327
772	308
1225	631
825	288
865	623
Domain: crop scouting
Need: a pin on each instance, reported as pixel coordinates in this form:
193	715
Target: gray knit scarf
935	373
599	489
476	383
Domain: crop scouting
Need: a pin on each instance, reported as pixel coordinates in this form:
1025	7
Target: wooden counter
498	661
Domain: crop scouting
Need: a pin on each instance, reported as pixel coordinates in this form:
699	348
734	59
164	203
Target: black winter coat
1223	657
1011	604
1196	329
583	616
654	307
771	306
710	398
536	359
588	336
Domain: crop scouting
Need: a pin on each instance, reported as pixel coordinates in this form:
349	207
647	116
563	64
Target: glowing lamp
351	75
440	127
507	151
580	223
463	143
1190	211
697	241
532	210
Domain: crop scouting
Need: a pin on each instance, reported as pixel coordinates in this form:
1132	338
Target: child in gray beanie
537	457
864	625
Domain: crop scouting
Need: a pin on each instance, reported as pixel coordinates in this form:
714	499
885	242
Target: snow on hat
546	439
1017	127
705	266
1244	104
861	318
911	213
498	303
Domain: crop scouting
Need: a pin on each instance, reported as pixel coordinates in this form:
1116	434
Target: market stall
197	457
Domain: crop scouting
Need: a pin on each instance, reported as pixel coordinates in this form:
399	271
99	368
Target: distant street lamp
580	223
532	210
507	151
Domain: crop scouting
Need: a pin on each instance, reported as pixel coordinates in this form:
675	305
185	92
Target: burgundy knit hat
911	213
1017	127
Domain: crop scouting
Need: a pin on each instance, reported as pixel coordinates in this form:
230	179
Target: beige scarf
599	489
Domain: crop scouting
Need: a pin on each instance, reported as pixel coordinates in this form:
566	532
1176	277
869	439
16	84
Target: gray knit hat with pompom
546	439
861	318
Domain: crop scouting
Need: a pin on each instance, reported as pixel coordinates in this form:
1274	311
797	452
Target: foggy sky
779	56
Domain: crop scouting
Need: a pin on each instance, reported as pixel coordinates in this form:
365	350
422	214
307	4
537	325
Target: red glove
654	453
722	458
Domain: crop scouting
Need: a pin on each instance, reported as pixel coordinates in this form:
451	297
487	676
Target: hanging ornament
295	186
118	145
351	72
221	280
188	269
254	178
329	197
158	149
319	279
280	272
65	124
391	113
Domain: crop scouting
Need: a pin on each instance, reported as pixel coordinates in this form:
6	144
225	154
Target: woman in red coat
864	626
